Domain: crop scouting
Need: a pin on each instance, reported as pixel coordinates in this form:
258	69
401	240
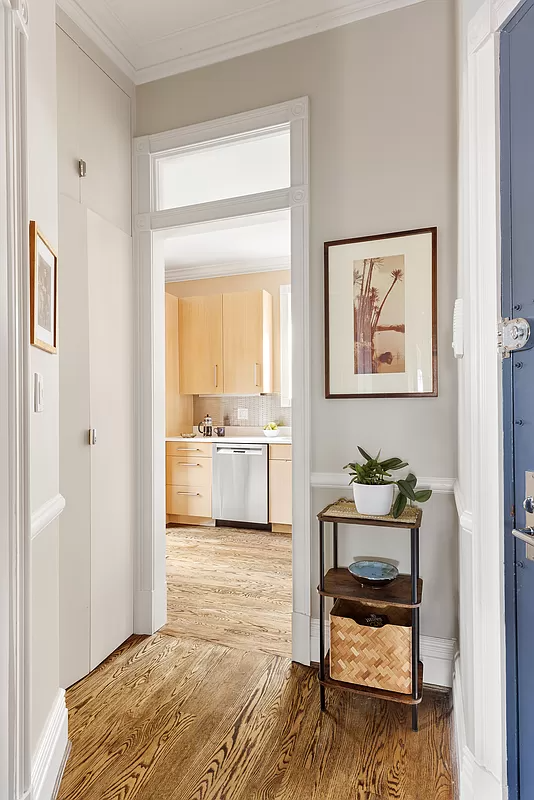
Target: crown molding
187	273
144	63
121	56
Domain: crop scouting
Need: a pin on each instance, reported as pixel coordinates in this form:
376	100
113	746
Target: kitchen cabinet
247	342
200	343
280	486
189	481
178	407
225	343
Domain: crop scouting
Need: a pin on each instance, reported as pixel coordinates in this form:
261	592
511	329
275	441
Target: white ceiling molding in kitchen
165	37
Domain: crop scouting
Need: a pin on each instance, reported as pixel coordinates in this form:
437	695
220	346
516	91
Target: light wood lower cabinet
189	469
280	484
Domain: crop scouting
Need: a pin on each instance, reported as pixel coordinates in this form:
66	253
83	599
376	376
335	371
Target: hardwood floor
165	718
231	586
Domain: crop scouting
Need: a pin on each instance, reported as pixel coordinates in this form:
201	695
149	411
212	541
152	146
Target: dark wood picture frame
36	234
327	245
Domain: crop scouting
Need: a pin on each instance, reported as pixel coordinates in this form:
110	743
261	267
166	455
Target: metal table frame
416	696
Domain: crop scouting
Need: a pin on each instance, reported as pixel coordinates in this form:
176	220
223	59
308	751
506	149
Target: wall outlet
242	413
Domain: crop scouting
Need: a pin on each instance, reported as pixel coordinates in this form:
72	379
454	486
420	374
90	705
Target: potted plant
373	488
271	430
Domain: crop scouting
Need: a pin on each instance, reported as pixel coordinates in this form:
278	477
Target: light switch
38	393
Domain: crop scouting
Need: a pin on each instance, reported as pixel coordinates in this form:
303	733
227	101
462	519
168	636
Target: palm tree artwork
379	315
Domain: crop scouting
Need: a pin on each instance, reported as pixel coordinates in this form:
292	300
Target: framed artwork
381	315
43	292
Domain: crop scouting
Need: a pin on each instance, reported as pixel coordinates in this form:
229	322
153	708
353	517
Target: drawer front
200	449
280	452
188	470
189	501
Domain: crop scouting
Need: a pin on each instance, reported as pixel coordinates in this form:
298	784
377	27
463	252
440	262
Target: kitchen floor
230	586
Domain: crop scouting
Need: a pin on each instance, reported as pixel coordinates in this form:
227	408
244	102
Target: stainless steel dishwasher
240	491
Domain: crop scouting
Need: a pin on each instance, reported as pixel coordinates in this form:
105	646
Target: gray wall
383	149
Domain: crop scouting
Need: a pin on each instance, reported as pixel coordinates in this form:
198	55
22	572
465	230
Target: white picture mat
417	251
42	334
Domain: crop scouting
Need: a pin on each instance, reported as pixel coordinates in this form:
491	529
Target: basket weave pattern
378	657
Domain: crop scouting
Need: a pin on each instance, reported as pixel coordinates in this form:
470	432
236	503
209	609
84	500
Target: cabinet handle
188	450
190	465
256	382
190	494
216	375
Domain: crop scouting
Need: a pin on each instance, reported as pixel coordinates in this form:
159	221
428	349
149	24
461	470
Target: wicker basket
378	657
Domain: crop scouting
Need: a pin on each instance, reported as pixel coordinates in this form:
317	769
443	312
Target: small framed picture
381	315
43	292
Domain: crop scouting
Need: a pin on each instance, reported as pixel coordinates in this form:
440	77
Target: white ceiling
258	243
150	40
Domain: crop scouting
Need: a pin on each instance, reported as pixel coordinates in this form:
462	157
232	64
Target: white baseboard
475	782
49	758
437	655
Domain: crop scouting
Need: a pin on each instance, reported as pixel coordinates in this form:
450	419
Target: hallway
165	718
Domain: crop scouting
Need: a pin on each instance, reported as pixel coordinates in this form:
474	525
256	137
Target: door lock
528	505
513	334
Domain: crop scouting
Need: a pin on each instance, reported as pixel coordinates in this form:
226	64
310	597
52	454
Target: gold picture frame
43	292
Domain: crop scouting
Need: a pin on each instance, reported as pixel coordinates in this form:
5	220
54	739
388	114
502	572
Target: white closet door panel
74	450
68	100
105	144
111	367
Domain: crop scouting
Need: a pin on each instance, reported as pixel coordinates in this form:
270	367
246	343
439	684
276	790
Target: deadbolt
528	505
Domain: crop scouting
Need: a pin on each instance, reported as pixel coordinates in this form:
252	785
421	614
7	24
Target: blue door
517	208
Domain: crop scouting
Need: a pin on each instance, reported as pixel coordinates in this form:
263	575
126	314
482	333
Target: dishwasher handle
222	450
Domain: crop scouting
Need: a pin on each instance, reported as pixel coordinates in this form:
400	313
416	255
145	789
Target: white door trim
15	755
482	760
150	594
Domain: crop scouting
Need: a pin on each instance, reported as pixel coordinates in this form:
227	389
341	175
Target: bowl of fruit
271	430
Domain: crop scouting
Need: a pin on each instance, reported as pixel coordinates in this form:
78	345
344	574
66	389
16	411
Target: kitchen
228	433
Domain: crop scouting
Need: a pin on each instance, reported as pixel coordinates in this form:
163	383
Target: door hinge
512	334
92	435
82	168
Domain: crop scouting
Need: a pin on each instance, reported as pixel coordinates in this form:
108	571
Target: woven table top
344	510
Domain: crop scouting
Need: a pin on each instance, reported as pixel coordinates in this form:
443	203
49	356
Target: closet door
111	305
74	451
105	144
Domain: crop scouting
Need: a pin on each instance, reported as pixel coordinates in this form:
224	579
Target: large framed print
43	292
381	315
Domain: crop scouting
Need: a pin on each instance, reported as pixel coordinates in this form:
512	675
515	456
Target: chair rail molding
340	480
15	751
46	514
149	151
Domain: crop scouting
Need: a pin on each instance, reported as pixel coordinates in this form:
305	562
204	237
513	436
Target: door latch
92	435
82	168
512	334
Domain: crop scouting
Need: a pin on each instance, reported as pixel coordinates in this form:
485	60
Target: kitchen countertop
233	439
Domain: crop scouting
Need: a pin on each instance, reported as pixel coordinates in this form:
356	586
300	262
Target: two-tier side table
405	591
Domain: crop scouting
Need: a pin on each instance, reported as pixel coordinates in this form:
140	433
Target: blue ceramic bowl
373	573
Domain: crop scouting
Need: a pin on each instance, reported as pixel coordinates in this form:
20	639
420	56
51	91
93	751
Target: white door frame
15	755
482	762
150	610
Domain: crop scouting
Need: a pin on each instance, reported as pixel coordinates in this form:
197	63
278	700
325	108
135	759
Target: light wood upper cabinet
200	341
247	342
178	407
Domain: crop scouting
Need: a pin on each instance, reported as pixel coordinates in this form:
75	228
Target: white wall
42	145
382	115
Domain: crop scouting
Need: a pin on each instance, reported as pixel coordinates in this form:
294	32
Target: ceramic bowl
373	573
270	434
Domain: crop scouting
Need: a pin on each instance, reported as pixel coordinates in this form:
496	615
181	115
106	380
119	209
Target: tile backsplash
222	409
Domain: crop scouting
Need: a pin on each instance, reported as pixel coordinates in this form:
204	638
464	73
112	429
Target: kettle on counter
206	426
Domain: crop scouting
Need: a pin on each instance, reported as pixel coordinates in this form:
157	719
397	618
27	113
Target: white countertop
233	439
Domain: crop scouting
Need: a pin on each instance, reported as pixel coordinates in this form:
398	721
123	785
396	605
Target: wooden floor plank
231	586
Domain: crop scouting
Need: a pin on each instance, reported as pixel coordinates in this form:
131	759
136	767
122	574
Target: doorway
228	481
158	210
517	201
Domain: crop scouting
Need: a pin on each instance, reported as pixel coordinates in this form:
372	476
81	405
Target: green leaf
423	495
406	489
391	463
365	455
411	479
399	505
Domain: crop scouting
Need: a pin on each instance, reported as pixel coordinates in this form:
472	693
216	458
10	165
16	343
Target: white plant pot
375	501
270	434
